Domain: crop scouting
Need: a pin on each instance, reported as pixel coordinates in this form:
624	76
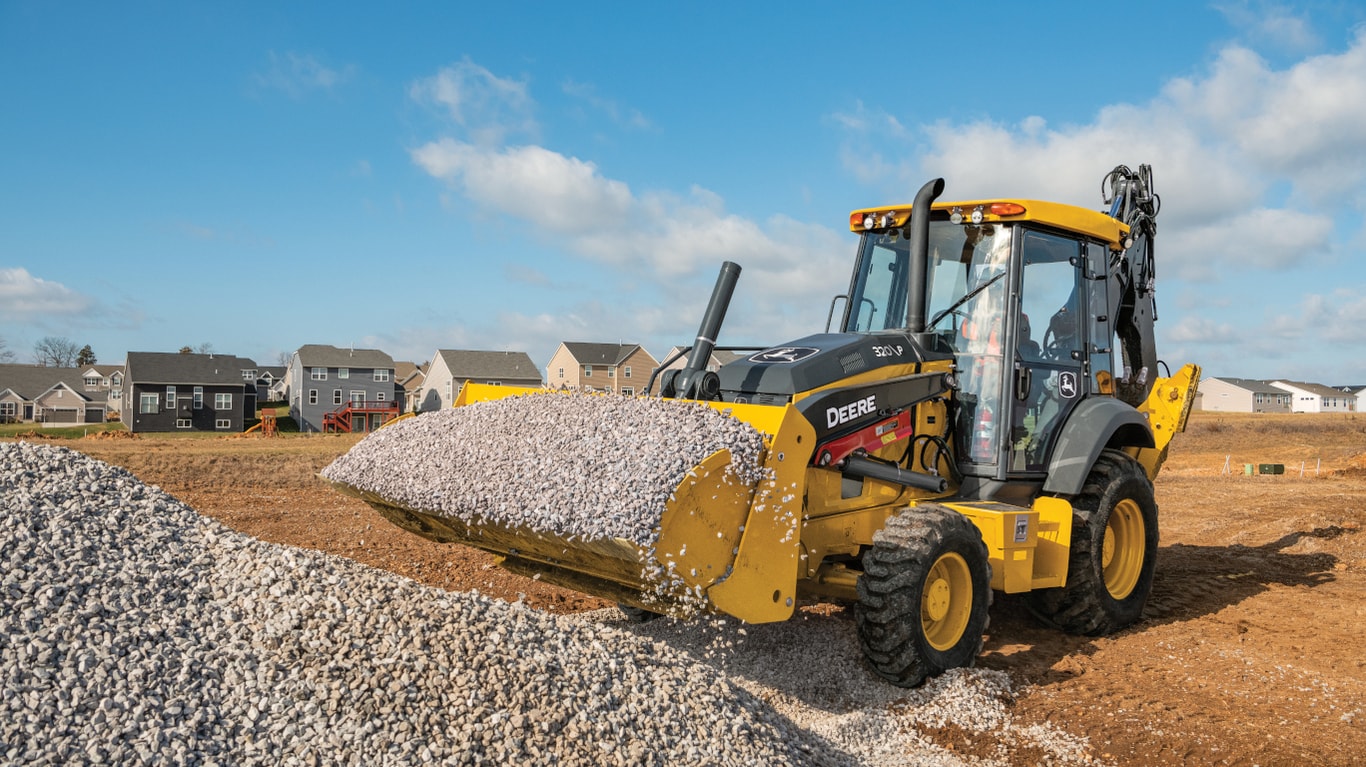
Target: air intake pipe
920	253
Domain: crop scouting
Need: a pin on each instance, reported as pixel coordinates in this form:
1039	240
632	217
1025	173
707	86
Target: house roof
1249	384
324	356
271	371
30	381
175	368
600	354
466	363
1318	390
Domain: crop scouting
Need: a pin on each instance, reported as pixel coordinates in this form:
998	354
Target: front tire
924	595
1114	551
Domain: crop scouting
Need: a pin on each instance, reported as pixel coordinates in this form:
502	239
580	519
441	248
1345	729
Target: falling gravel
576	465
134	631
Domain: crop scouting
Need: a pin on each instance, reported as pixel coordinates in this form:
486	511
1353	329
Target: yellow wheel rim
946	603
1122	554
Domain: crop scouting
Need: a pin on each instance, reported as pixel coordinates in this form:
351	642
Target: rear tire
924	595
1114	551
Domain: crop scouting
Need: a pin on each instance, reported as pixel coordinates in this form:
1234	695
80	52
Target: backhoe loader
987	413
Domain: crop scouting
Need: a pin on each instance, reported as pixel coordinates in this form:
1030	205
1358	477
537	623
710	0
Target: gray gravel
577	465
134	631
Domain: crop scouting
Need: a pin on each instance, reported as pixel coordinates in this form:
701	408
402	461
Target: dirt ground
1250	652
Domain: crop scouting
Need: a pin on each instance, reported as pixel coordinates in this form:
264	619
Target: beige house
615	368
718	358
1241	395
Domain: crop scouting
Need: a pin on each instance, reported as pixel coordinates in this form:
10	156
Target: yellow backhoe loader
987	413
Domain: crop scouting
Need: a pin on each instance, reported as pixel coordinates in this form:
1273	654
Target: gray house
450	369
166	391
347	390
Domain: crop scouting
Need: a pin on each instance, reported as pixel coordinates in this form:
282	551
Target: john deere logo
1067	384
783	355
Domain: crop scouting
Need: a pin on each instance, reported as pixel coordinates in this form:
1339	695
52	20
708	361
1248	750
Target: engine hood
774	375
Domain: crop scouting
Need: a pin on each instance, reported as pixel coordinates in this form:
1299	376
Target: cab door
1049	360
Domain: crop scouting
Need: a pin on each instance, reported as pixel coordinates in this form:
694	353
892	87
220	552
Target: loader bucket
720	544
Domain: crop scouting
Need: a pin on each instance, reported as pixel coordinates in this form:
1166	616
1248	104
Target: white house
1316	398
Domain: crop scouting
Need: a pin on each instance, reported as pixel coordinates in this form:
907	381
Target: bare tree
282	359
204	348
5	354
52	351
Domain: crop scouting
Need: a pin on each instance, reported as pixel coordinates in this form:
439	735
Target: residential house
1241	395
718	358
335	389
48	396
105	382
168	391
270	384
615	368
1316	398
450	369
410	377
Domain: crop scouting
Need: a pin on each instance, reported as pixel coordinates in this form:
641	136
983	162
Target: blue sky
259	176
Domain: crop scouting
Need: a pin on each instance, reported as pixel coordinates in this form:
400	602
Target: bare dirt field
1250	653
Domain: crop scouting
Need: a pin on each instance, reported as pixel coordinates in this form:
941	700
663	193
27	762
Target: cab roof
1072	218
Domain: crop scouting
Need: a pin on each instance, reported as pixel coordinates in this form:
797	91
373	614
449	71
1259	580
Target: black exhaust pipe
920	254
694	381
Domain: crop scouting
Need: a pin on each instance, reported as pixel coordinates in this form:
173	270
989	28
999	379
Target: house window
170	397
343	372
248	375
199	398
319	374
222	423
381	376
357	398
611	371
561	372
336	397
7	409
147	403
312	396
448	391
626	371
628	390
92	382
182	423
379	397
494	383
588	370
222	401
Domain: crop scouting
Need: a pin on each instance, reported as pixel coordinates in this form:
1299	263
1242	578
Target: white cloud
1303	123
297	74
626	117
1270	23
489	108
25	298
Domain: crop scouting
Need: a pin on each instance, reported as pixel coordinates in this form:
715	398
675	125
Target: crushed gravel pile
134	631
577	465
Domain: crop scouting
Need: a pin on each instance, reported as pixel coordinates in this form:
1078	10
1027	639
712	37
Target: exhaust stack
694	381
920	251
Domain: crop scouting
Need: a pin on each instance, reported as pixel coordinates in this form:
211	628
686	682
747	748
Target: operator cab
1019	303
